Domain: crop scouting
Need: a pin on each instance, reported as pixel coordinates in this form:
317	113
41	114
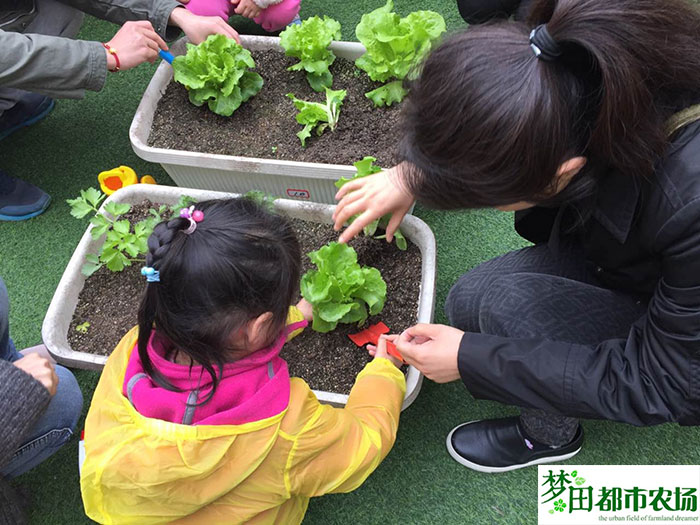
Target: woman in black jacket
480	11
581	120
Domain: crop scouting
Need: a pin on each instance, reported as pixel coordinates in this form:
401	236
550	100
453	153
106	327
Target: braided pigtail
158	246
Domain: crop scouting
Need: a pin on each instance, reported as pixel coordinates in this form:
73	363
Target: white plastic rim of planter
304	181
54	330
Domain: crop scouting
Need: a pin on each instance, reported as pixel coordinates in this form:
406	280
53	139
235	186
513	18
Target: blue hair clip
152	275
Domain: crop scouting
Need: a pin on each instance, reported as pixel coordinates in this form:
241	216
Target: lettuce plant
316	115
394	46
366	167
309	43
217	72
340	290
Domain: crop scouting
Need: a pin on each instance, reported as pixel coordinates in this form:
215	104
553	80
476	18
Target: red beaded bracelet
112	52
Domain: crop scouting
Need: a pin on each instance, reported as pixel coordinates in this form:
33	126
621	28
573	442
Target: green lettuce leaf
340	290
395	46
309	43
217	72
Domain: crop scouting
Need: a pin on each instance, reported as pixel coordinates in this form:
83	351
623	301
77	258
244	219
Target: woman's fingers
356	227
393	225
155	37
349	187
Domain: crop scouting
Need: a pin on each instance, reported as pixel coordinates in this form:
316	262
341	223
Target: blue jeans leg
53	429
57	423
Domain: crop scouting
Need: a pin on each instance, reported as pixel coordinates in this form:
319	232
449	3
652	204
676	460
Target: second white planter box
305	181
56	324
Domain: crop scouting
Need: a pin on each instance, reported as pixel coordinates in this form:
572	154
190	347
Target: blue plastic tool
166	55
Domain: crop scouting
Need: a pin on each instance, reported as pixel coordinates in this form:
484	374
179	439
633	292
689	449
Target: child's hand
198	28
246	8
306	309
380	349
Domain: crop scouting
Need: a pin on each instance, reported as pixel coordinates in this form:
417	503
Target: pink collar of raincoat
251	389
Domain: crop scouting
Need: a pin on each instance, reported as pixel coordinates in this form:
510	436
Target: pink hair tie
192	215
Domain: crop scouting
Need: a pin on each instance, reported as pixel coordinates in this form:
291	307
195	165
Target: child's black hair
240	262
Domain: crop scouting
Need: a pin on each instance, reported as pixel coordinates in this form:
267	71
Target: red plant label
298	194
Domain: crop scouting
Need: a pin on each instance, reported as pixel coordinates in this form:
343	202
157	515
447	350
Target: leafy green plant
123	245
395	46
309	43
262	199
339	290
316	115
217	72
366	167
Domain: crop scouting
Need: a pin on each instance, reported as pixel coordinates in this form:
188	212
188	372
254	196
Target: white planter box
307	181
56	324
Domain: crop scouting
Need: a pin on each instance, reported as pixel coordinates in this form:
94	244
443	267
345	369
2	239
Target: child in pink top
272	15
195	418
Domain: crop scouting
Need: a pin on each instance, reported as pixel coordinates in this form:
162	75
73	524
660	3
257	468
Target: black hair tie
543	45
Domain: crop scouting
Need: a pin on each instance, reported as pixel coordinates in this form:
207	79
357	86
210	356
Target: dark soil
109	302
266	127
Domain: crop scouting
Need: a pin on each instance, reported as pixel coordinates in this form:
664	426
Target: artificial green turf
418	483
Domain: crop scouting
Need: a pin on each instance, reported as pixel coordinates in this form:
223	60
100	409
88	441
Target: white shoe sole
493	470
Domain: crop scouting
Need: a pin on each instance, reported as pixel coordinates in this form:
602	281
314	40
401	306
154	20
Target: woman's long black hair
240	262
487	123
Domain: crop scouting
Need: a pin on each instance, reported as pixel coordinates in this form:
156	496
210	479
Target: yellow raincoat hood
142	470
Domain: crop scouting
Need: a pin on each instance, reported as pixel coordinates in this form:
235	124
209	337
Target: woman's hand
40	369
372	197
134	44
246	8
432	349
198	28
380	350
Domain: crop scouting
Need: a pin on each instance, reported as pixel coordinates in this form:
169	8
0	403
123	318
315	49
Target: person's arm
168	17
119	11
22	401
651	377
339	448
50	65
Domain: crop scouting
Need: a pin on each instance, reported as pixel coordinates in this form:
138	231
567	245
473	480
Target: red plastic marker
370	335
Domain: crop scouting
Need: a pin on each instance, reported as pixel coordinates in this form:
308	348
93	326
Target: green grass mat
418	483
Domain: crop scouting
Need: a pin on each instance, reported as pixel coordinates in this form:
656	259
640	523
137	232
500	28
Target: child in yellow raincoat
195	418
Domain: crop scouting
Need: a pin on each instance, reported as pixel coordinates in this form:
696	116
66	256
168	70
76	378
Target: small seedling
340	290
314	115
83	327
364	168
274	149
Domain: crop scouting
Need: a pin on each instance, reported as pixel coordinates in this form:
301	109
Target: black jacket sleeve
651	377
480	11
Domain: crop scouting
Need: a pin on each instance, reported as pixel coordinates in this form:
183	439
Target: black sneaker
498	445
20	200
29	109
